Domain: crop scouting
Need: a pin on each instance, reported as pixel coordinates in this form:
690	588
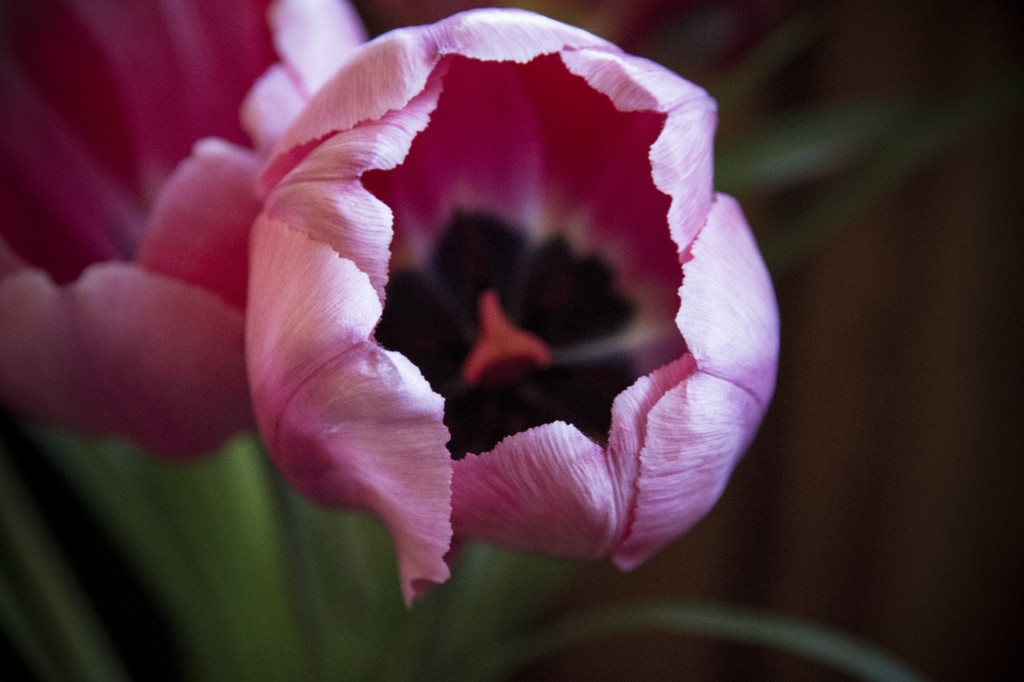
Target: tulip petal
681	162
167	87
545	490
270	107
633	83
60	183
694	435
628	433
325	199
481	153
313	37
357	93
198	231
729	316
348	423
127	352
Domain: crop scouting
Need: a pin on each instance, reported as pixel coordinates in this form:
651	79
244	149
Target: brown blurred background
884	494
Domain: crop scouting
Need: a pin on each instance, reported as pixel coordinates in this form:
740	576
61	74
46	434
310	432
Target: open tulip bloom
493	295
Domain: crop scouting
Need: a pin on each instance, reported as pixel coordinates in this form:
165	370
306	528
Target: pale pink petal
357	93
634	83
348	423
694	435
507	35
271	106
691	420
628	433
324	198
681	160
729	316
198	231
314	37
545	490
125	352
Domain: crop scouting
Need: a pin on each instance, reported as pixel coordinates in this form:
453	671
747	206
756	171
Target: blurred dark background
884	493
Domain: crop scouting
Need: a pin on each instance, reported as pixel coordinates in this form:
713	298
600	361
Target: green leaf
766	59
206	539
931	130
44	612
493	593
747	626
807	145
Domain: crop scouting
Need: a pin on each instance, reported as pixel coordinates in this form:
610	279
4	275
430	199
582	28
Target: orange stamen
503	352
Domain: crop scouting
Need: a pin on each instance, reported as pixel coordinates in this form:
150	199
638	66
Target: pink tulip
123	268
496	237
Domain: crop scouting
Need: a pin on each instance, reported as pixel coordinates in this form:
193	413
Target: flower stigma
484	320
532	276
503	352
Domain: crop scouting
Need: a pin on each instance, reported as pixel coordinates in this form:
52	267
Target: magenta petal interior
166	87
537	147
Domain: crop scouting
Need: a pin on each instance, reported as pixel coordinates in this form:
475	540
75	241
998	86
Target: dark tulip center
491	321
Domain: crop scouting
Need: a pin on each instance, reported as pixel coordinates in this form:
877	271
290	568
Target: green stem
205	539
308	595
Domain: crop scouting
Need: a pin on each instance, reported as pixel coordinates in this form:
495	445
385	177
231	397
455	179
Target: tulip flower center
503	352
494	321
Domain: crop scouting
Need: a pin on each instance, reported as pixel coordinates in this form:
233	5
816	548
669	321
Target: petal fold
729	316
325	199
544	490
693	437
682	167
348	423
628	433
